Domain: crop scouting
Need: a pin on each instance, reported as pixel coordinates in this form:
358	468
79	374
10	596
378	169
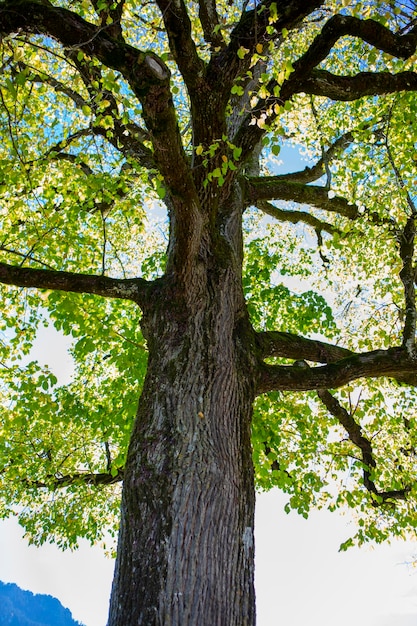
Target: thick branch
407	275
145	72
275	188
305	78
210	23
181	43
397	45
73	32
391	363
347	88
290	346
135	289
408	271
354	432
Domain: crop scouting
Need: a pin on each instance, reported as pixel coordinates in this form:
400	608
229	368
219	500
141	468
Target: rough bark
185	553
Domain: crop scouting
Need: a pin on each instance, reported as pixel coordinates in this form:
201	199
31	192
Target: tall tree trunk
186	553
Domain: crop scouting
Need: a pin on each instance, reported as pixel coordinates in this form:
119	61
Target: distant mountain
23	608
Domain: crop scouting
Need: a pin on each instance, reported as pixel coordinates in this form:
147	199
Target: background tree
111	111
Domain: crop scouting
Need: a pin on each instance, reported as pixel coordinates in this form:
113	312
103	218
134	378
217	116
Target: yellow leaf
224	158
242	52
18	54
199	150
259	48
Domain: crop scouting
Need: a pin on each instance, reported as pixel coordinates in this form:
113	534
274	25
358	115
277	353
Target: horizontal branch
347	88
290	346
391	363
81	478
274	188
135	289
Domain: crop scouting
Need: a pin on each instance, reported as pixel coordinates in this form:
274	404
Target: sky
301	578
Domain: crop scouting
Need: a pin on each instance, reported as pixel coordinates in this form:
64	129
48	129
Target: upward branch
178	28
407	275
252	30
370	31
306	78
210	23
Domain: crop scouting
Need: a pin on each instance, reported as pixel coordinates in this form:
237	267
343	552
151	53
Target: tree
271	338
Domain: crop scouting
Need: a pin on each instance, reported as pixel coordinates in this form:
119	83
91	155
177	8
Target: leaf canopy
329	246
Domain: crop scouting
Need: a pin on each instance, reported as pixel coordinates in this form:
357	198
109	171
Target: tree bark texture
185	554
